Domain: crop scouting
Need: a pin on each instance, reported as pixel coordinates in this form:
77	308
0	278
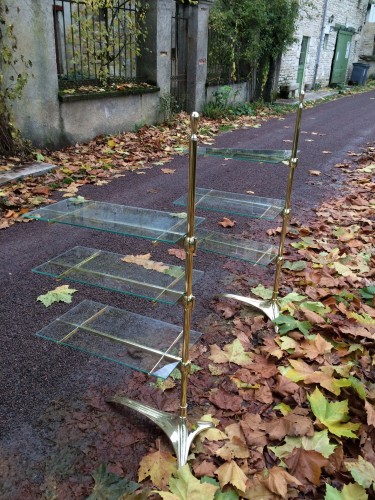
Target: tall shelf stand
256	207
99	329
176	426
113	333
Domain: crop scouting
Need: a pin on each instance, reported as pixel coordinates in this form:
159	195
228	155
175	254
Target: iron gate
179	45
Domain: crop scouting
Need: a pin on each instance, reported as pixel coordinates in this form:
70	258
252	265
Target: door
341	58
302	61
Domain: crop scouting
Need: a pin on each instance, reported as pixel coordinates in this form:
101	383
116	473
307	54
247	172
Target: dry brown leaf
178	252
370	410
294	424
230	473
277	481
227	222
231	353
306	465
251	426
315	172
316	347
205	468
159	466
146	262
224	400
168	170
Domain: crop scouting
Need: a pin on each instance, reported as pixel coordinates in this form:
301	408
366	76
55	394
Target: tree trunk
269	85
259	79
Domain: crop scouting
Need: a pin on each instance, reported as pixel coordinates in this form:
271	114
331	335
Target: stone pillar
197	55
37	112
155	60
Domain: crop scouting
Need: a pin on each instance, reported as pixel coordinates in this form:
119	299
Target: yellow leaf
230	473
184	486
232	353
159	466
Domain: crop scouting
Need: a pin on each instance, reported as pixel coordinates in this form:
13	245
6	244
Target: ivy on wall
14	74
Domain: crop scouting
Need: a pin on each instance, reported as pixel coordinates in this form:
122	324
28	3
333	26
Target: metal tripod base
269	308
175	427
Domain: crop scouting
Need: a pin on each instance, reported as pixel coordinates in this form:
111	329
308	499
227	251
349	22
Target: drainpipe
320	42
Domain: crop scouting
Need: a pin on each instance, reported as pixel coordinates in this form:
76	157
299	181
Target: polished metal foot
269	308
175	427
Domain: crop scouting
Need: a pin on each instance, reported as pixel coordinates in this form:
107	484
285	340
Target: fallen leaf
109	485
231	353
315	172
146	262
60	294
370	410
224	400
333	415
159	466
227	222
362	471
168	170
184	486
348	492
230	473
277	479
306	465
292	424
178	252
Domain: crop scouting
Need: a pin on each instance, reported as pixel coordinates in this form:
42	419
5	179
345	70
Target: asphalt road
33	372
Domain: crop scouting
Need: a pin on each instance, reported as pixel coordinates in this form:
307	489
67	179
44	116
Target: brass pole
293	161
190	247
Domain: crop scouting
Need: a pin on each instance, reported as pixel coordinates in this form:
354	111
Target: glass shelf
237	248
129	339
253	155
146	278
129	221
235	204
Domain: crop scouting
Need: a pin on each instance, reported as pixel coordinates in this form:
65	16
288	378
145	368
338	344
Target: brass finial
194	122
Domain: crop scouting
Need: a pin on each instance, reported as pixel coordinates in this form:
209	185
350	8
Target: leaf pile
294	411
107	157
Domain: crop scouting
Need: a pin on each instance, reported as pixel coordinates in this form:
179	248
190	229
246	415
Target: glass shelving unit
145	278
114	334
252	207
119	219
117	335
143	343
235	204
252	155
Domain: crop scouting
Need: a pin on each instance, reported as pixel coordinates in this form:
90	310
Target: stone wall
46	121
320	23
367	47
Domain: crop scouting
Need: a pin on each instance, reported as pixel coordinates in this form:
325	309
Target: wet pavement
34	373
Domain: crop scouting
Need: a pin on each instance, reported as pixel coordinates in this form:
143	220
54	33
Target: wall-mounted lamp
330	19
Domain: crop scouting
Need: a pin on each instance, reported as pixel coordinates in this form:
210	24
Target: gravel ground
34	373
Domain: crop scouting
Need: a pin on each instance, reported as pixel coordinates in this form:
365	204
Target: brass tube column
270	308
293	161
190	246
176	426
